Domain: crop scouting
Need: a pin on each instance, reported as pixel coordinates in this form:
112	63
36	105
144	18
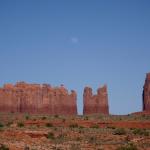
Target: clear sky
78	43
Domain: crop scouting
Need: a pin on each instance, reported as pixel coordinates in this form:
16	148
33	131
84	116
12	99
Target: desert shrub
1	125
60	138
96	126
128	147
27	117
92	139
145	145
9	123
86	118
26	148
74	125
37	125
131	128
78	139
75	147
140	132
43	118
49	125
81	127
3	147
111	127
81	131
20	124
34	119
63	120
56	148
55	129
50	135
56	116
119	131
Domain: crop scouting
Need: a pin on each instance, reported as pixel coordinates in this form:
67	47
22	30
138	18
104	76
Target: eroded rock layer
36	98
146	93
94	104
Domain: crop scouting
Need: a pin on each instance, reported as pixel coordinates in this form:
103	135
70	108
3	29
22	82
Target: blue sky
78	43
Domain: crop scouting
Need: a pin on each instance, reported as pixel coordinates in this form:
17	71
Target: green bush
75	147
34	119
128	147
3	147
111	127
50	135
119	131
49	125
56	116
140	132
81	127
86	118
96	126
63	120
75	125
20	124
43	118
78	139
27	117
1	125
92	139
9	123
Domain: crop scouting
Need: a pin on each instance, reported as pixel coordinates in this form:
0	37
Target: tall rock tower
146	93
94	104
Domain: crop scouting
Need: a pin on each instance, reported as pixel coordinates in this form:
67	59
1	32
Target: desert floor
93	132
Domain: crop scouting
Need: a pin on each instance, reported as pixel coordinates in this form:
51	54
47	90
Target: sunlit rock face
146	93
36	98
95	104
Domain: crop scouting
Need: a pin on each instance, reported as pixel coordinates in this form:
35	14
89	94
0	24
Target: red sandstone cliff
146	93
36	98
94	104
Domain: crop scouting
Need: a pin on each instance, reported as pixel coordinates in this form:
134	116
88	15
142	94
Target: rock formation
36	98
146	93
94	104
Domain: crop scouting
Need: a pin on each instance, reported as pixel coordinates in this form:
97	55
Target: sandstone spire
146	93
94	104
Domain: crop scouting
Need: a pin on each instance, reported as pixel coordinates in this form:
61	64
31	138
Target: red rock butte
146	93
94	104
36	98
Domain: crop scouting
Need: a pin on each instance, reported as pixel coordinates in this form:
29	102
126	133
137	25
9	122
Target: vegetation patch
50	135
20	124
43	118
140	132
9	123
49	125
3	147
130	146
96	126
1	125
74	125
119	131
27	117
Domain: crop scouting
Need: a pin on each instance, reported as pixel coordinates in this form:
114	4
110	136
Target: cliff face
146	93
36	98
94	104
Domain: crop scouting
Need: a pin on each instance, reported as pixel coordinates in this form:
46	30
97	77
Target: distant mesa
146	93
36	98
44	99
95	104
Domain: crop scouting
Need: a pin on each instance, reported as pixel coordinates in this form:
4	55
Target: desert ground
93	132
